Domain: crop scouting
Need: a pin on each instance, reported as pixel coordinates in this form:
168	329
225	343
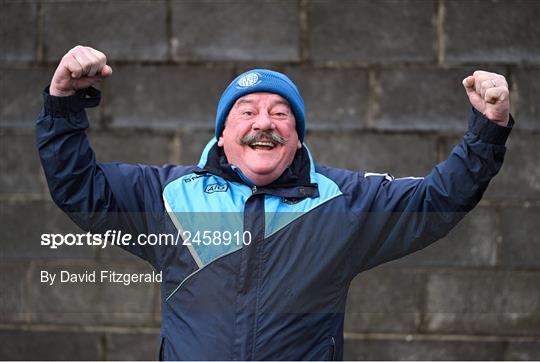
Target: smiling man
260	136
271	240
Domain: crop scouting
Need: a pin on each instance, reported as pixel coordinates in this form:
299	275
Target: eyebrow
244	101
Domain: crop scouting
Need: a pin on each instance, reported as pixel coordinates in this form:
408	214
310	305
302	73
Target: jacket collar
296	182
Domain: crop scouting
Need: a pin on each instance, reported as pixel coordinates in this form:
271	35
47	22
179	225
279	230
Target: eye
247	113
281	115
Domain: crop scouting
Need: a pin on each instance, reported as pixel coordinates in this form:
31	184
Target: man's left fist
488	93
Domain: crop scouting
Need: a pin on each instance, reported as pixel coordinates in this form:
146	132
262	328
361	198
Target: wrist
502	123
65	105
53	91
488	130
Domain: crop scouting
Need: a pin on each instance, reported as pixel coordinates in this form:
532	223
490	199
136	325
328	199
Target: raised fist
80	68
488	93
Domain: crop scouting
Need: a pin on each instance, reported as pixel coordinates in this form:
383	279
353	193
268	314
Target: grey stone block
333	98
523	351
127	30
21	171
24	223
362	31
372	306
520	175
157	310
409	349
192	144
165	96
49	345
235	30
21	91
472	37
520	246
400	155
473	242
18	30
132	346
91	303
13	278
524	98
423	99
131	147
491	302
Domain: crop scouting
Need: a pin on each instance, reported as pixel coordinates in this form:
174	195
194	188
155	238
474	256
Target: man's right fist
80	68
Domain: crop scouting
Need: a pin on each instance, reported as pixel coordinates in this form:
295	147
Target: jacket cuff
63	106
488	131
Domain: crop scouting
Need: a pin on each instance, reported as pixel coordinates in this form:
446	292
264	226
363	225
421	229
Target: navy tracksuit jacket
282	295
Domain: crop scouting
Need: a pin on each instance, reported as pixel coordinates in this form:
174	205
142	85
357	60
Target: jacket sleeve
83	188
408	214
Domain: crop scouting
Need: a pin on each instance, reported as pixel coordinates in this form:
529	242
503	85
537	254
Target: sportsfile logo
210	189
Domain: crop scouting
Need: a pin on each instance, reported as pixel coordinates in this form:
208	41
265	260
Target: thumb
468	83
85	82
475	99
106	71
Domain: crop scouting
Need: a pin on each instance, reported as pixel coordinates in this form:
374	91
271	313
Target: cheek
230	135
289	132
238	131
286	130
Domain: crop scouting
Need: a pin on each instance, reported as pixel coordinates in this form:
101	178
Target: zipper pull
253	189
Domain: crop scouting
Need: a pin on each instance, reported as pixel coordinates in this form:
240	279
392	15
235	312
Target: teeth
264	144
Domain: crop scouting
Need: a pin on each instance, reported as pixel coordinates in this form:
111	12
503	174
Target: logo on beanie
248	80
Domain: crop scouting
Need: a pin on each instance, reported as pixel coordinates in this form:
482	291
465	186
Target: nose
263	122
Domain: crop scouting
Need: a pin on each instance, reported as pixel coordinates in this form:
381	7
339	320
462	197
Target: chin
262	163
264	170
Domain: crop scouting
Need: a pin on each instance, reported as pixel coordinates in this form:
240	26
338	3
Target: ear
299	145
220	141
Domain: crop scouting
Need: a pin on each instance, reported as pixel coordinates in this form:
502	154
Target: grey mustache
254	137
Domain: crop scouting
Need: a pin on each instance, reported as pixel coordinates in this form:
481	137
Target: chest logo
211	188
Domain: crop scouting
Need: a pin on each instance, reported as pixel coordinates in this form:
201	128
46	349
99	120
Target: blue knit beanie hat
261	80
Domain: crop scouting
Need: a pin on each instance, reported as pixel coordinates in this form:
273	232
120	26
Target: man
282	237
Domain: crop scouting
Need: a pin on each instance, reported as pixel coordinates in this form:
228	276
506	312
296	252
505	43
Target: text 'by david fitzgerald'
98	276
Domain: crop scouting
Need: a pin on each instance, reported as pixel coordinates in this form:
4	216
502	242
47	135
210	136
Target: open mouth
263	145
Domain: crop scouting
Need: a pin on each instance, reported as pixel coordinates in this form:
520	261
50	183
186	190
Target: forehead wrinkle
244	101
282	102
248	100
